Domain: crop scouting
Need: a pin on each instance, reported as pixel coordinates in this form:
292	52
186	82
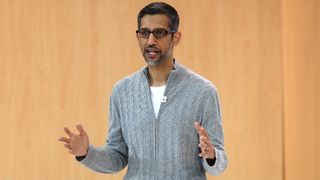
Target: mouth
151	52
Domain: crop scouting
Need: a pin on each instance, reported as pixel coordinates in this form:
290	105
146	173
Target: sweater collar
176	68
175	76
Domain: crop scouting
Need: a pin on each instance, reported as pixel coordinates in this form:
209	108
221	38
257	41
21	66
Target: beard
158	57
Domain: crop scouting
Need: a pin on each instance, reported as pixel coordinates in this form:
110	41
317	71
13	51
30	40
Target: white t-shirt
157	98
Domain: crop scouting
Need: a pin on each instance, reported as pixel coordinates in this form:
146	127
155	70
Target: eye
144	33
160	32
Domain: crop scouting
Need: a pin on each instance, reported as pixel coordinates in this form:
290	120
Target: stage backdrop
60	58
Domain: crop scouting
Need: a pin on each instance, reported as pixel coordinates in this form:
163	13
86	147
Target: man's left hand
207	148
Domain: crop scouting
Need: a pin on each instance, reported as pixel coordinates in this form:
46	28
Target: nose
152	40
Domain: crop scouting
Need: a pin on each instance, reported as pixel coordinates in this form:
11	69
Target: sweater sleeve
211	121
113	157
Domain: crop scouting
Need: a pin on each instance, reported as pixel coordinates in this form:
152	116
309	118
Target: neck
158	74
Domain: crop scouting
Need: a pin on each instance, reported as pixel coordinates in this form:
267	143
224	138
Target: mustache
151	48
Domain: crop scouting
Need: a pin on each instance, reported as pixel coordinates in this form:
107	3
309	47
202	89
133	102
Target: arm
211	138
114	156
108	159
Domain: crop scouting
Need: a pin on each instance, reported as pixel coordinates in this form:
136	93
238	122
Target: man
165	120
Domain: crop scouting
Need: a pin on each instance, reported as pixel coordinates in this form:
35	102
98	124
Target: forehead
155	21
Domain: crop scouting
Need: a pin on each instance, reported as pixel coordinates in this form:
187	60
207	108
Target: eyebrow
151	29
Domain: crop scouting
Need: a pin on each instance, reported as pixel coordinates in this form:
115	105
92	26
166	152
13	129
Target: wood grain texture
302	89
60	59
237	45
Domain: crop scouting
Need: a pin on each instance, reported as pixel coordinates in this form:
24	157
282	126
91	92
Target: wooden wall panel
59	60
237	45
302	89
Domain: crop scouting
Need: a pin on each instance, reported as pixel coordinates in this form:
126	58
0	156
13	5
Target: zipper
157	122
156	129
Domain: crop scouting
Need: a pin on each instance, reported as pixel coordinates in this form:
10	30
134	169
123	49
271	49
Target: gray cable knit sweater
165	147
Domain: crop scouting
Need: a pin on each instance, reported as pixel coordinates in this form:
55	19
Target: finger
204	140
67	146
200	145
197	125
205	151
203	155
198	128
204	132
203	146
208	154
63	139
70	134
208	151
80	129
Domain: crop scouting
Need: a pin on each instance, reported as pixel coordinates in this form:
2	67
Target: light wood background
301	60
60	58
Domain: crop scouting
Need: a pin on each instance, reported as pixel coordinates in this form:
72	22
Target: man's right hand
77	144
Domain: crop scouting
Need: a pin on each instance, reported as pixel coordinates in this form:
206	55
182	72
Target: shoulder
127	82
199	82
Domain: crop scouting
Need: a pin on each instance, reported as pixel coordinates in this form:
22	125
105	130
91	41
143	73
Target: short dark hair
161	8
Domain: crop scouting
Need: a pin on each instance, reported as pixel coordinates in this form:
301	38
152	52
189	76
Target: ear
176	38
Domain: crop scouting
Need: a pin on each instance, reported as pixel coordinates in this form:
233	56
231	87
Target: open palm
77	144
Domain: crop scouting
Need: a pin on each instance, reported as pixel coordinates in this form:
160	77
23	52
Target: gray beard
162	58
155	63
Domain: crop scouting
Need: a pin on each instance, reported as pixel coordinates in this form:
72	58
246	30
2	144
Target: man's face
156	50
